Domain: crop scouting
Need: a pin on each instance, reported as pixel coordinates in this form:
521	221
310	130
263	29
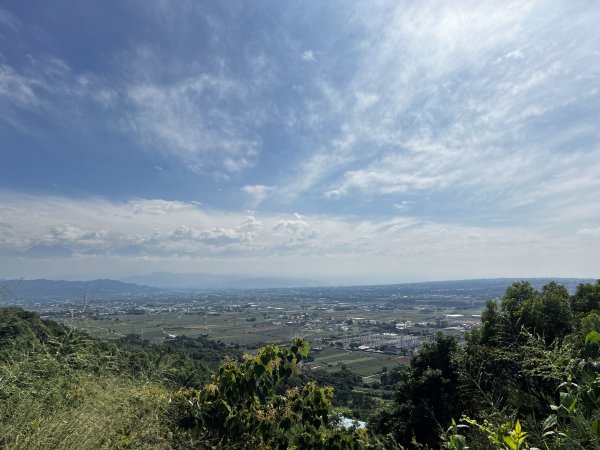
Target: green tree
586	298
241	409
548	313
426	399
490	322
515	297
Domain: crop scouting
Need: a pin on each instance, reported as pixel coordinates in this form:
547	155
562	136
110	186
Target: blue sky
339	141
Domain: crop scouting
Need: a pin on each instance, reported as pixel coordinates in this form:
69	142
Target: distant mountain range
212	281
482	288
164	283
139	286
14	290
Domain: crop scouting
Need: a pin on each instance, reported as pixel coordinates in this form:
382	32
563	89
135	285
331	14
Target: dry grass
61	410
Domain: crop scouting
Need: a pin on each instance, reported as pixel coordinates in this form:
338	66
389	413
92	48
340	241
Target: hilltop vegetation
60	388
532	365
529	376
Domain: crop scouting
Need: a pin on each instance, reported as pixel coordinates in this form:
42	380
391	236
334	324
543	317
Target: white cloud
205	121
589	232
366	100
487	108
46	88
157	206
163	235
189	120
219	236
17	89
479	102
390	175
403	205
308	55
298	228
257	193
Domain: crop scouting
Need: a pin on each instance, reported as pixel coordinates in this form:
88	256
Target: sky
350	142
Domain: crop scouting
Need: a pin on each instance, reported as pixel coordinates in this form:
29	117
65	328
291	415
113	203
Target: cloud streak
187	119
206	122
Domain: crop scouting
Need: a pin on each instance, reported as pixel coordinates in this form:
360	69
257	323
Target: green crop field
362	363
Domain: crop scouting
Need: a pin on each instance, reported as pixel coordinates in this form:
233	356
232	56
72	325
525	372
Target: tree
427	398
586	298
549	313
240	407
490	322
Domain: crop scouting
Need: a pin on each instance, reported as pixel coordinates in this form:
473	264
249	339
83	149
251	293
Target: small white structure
349	423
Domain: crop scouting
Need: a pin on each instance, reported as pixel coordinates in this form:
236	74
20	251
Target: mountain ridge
201	280
104	288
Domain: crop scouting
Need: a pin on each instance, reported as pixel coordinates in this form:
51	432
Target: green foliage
533	367
504	437
515	362
575	421
240	407
426	399
513	371
490	322
547	313
61	389
390	377
185	361
586	298
357	404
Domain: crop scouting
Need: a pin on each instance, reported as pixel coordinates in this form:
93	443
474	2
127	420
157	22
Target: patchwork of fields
363	336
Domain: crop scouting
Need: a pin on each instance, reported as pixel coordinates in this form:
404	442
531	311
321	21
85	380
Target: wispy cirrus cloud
8	21
203	121
482	101
15	89
187	120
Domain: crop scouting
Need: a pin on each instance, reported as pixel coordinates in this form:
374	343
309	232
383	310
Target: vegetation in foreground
528	377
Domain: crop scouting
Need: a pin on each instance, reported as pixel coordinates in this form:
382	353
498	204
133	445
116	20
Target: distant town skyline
367	142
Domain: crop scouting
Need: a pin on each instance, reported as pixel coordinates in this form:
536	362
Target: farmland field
365	337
